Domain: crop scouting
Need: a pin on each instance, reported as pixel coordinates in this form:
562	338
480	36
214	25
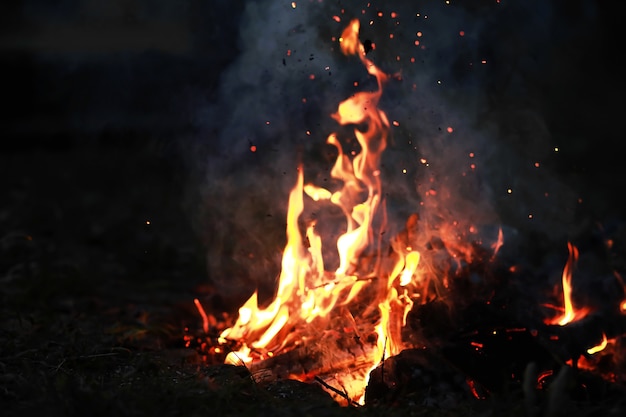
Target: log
340	361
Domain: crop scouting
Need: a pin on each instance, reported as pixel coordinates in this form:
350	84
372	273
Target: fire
570	313
306	292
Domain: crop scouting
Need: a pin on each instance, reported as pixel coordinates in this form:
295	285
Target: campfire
429	306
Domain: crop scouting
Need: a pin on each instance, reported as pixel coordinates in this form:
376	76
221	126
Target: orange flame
622	304
304	291
570	314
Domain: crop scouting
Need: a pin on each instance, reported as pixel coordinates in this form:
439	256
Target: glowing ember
368	296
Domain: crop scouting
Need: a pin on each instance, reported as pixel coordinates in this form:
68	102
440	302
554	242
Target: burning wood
340	362
307	294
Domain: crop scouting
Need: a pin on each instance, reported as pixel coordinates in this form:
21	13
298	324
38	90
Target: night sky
197	83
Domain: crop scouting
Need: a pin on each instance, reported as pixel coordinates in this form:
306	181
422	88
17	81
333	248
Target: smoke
471	100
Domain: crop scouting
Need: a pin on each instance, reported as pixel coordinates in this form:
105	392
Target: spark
293	4
148	222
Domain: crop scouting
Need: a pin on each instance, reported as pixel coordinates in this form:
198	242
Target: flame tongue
258	327
570	313
305	291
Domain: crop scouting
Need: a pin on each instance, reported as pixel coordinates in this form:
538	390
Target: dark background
105	127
